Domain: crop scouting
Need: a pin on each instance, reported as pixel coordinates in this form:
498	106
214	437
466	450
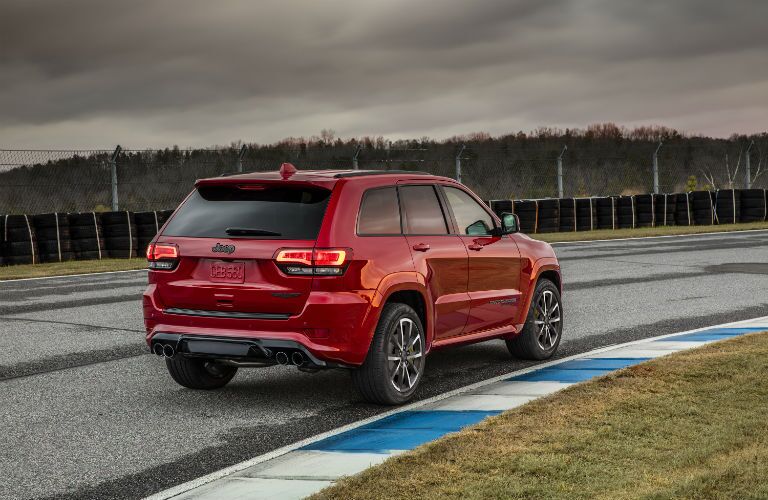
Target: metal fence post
656	169
458	163
355	166
240	158
748	168
560	172
113	168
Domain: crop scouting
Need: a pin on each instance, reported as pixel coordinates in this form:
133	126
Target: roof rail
359	173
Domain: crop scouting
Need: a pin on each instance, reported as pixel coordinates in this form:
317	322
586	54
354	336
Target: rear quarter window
293	213
379	213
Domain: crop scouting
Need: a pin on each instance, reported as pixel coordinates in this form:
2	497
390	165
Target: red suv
363	270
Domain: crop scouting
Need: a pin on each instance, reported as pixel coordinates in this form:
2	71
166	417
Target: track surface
86	413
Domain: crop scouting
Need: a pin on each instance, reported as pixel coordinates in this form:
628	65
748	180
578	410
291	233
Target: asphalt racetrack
87	412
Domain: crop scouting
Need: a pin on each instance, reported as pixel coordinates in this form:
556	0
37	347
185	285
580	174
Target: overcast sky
150	73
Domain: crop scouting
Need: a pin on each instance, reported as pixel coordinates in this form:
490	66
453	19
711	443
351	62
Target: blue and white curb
307	467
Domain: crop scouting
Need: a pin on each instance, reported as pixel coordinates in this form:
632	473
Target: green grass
642	232
691	425
70	267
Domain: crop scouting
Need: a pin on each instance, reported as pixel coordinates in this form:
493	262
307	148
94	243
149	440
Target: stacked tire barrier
585	214
665	206
696	208
59	237
87	236
605	210
567	214
754	205
728	206
527	211
548	216
19	241
703	204
53	237
626	212
120	236
683	209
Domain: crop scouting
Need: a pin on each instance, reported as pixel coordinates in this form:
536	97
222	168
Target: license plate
227	272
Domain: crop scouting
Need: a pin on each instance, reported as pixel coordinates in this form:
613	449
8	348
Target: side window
379	212
422	210
471	218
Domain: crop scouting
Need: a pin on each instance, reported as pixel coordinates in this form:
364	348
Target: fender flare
529	277
397	282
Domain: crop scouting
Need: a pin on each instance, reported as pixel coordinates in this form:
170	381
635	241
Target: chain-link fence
100	180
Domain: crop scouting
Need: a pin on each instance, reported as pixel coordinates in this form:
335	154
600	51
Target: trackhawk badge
219	248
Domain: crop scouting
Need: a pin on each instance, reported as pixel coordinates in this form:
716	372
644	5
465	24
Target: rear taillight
162	257
313	261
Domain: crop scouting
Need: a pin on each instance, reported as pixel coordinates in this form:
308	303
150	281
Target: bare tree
730	174
761	167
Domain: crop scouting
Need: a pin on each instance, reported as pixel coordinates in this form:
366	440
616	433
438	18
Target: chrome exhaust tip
168	351
281	358
297	358
158	349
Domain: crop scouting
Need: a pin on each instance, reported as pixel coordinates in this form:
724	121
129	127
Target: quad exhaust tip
281	358
164	350
297	358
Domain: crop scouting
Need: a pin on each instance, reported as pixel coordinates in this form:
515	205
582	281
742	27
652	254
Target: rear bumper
335	329
254	351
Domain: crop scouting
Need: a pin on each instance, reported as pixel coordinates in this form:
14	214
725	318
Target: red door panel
444	264
494	282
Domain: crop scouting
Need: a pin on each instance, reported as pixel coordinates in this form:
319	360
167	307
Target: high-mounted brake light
252	187
308	261
287	170
162	256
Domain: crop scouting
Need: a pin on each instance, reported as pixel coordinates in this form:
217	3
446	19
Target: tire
528	344
194	373
375	379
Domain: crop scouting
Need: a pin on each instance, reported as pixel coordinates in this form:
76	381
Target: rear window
293	213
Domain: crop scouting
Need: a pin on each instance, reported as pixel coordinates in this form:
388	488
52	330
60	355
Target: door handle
421	247
475	246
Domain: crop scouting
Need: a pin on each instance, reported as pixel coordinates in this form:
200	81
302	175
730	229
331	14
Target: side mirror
510	223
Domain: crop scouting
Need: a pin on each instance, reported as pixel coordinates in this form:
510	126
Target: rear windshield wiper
247	231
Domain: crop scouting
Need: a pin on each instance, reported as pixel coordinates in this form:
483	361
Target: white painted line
72	275
614	351
522	388
633	238
479	402
243	488
314	464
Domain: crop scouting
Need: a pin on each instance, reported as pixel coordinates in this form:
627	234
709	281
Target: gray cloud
193	72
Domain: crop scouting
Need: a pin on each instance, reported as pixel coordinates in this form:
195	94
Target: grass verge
70	267
690	425
644	232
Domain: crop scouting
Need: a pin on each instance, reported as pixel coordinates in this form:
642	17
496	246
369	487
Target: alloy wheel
547	318
405	355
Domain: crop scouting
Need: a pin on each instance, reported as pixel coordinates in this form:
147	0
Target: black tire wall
753	205
120	234
87	235
19	240
53	237
703	207
728	206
